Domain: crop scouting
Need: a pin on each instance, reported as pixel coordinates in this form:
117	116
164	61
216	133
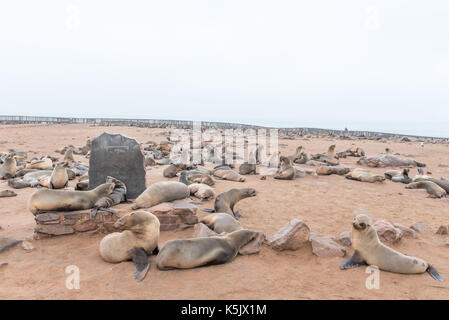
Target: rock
345	238
443	229
161	208
202	231
27	246
325	246
54	229
86	225
292	236
47	217
183	208
406	232
120	157
421	227
6	243
387	232
253	246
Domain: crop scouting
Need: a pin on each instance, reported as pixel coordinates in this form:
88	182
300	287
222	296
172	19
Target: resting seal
221	222
191	253
432	188
201	191
159	192
63	200
115	197
201	178
229	175
226	201
44	164
138	241
287	170
364	175
8	168
369	250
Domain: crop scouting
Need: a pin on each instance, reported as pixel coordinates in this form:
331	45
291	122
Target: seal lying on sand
201	191
138	241
388	160
226	201
159	192
229	175
43	164
369	250
432	188
63	200
7	193
196	252
221	222
364	175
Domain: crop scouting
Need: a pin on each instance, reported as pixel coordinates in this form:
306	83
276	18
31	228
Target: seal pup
63	200
287	172
432	188
369	250
201	178
68	155
115	197
226	201
59	178
164	191
7	193
172	170
9	167
197	252
221	222
137	242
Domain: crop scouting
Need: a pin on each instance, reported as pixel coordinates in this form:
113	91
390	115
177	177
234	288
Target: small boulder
345	238
406	232
325	246
443	229
27	246
200	230
292	236
387	232
421	227
253	246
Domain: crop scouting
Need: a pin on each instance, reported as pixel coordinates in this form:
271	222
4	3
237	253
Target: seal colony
141	229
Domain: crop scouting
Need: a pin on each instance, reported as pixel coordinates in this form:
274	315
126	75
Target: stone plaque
120	157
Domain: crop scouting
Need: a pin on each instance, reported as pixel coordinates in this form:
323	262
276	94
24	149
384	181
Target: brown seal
9	167
164	191
63	200
226	201
432	188
196	252
138	241
369	250
7	193
287	172
221	222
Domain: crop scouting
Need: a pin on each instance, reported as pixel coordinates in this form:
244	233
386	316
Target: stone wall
174	215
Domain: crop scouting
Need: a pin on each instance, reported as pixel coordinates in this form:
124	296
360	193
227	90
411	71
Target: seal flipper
434	273
208	210
156	251
237	215
141	263
353	262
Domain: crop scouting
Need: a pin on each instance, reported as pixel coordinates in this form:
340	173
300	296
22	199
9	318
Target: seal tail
141	263
434	273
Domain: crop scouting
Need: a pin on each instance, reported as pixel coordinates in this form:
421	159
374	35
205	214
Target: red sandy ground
327	204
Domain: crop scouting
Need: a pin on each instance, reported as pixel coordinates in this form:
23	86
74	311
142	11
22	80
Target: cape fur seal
226	201
63	200
201	178
432	188
369	250
364	175
59	177
138	241
327	170
7	193
9	167
442	183
68	155
164	191
43	164
197	252
221	222
201	191
229	175
115	197
287	172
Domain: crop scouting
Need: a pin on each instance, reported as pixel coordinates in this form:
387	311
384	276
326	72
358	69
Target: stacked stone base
63	223
174	215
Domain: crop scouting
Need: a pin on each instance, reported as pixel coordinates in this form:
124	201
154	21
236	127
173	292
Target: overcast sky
374	65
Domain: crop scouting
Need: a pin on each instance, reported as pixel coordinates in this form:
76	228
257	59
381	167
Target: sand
326	203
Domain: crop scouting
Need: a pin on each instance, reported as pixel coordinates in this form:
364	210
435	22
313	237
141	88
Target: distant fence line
159	123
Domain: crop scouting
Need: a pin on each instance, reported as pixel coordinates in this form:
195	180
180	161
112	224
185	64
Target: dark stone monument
120	157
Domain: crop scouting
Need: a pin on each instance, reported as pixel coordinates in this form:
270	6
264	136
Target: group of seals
369	250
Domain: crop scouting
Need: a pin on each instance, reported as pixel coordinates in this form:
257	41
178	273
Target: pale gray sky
375	65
